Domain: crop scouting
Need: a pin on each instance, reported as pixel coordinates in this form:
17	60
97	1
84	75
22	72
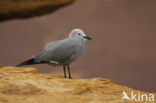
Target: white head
78	33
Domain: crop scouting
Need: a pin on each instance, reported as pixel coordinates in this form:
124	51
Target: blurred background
123	48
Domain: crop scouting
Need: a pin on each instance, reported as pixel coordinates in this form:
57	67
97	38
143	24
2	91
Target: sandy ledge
26	85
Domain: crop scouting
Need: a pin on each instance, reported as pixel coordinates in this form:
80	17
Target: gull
61	52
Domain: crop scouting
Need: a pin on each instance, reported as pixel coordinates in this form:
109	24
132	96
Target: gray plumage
62	52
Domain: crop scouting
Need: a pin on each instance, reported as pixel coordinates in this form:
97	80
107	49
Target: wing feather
59	51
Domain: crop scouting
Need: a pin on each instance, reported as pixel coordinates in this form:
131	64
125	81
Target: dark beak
87	37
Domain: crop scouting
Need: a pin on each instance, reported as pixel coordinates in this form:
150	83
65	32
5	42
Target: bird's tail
28	62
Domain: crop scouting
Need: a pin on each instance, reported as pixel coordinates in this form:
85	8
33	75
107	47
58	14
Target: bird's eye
79	34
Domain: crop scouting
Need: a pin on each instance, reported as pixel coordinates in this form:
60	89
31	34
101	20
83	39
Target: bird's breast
78	51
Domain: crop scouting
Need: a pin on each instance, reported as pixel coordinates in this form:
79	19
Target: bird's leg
64	69
68	67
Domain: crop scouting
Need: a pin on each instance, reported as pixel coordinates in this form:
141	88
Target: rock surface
26	85
10	9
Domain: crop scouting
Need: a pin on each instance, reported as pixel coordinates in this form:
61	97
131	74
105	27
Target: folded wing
59	51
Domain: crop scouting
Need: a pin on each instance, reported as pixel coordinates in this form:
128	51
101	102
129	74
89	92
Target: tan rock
26	85
11	9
